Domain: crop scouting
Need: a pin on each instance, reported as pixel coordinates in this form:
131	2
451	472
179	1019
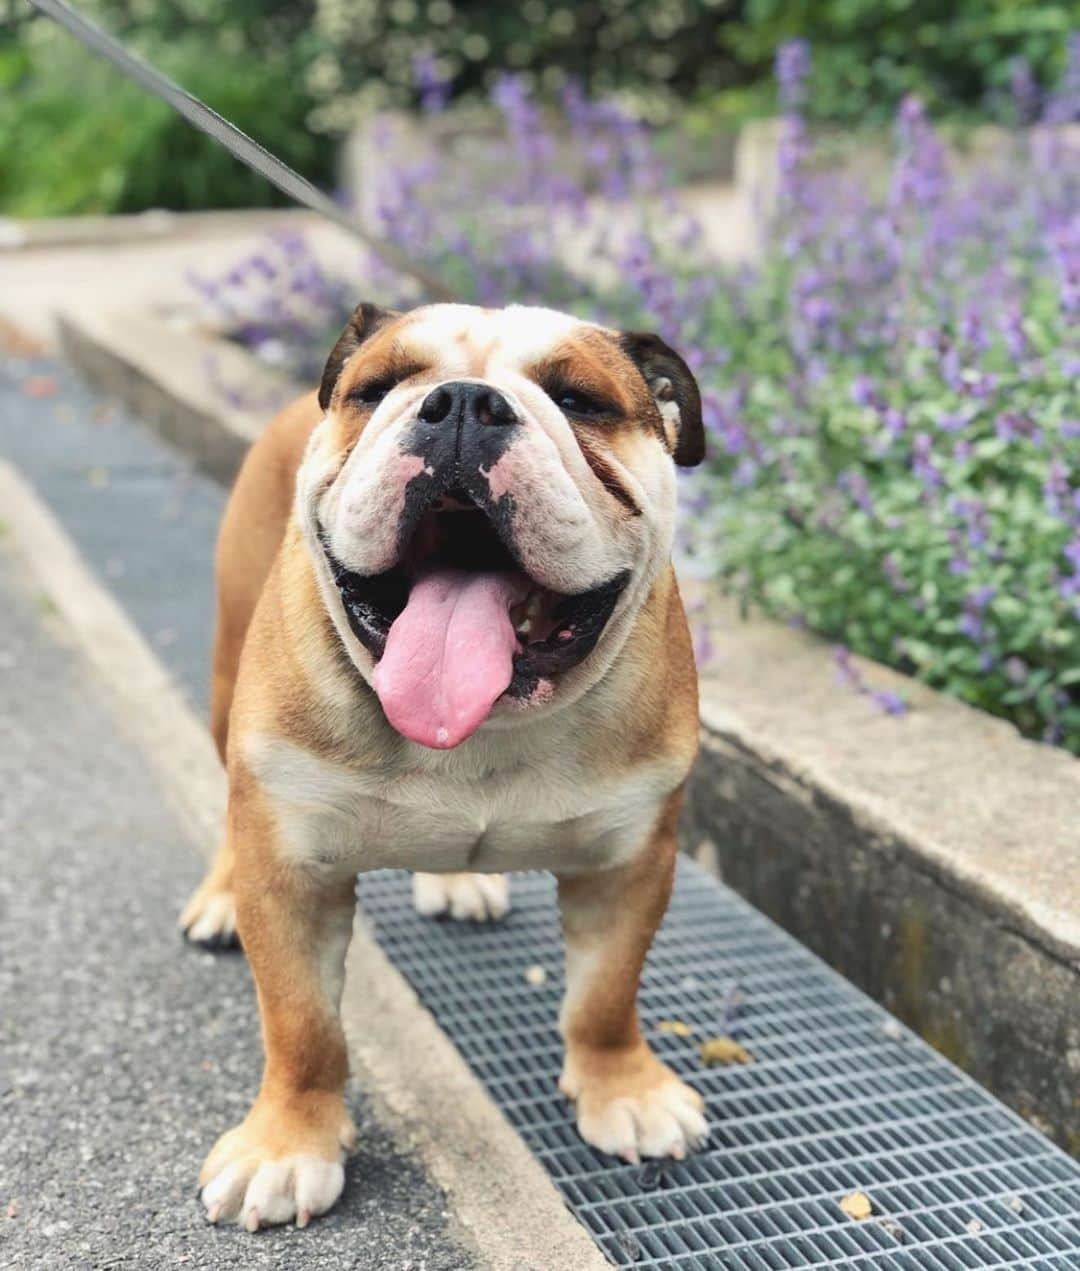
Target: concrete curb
507	1206
164	374
21	233
931	858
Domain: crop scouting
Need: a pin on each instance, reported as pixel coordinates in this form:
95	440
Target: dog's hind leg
466	897
209	917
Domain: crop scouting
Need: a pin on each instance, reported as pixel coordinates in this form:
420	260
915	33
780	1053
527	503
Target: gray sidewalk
124	1053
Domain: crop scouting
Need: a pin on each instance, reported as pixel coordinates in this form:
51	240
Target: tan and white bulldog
449	639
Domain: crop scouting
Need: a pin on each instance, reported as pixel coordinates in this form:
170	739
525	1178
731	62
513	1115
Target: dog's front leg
286	1159
628	1102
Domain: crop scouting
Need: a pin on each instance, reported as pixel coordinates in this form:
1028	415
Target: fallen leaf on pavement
857	1205
675	1026
724	1050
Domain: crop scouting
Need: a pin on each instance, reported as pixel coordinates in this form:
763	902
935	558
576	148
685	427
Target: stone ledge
933	858
162	370
23	233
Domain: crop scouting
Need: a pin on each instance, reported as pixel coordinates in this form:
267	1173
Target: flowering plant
898	425
892	393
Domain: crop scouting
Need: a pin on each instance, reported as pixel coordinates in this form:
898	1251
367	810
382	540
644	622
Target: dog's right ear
365	321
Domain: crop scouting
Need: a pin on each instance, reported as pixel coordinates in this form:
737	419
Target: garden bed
931	856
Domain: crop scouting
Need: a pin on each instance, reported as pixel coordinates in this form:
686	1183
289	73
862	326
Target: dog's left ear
366	319
674	390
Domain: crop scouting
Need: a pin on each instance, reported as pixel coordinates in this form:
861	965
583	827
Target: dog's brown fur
280	673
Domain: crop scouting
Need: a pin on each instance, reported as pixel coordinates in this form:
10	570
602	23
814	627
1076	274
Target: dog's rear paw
209	918
466	897
636	1109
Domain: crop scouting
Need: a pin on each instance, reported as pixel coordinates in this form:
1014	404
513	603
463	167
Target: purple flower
1012	427
792	67
792	153
891	703
971	625
1056	488
951	370
1012	330
431	83
704	649
973	330
891	569
863	392
1063	106
920	176
953	421
855	485
847	672
1025	91
922	461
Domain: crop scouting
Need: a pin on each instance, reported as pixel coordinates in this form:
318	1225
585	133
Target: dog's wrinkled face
488	501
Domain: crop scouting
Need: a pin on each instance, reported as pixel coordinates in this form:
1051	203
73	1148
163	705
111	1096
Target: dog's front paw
632	1105
278	1165
209	917
466	897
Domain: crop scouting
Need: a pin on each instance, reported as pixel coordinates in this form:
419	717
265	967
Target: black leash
238	143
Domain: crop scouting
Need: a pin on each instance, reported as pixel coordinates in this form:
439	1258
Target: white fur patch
473	809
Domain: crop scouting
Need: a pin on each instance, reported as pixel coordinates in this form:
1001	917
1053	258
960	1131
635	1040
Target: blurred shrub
661	50
76	136
868	54
664	52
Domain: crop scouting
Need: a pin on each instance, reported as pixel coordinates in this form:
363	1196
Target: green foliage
659	50
75	136
869	53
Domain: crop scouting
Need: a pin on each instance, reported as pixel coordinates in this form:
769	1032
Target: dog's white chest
435	818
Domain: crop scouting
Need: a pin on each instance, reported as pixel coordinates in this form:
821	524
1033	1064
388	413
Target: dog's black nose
466	402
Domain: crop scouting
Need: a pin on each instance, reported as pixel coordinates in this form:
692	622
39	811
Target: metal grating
840	1098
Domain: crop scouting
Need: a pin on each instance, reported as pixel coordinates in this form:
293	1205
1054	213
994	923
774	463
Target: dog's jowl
444	585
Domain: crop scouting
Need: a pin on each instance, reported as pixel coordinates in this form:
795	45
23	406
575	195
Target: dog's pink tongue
449	656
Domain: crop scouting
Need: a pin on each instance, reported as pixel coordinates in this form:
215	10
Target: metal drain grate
840	1098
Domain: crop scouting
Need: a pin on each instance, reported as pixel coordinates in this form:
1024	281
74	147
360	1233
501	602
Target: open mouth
457	623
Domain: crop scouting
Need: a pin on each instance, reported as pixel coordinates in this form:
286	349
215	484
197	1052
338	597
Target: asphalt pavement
123	1053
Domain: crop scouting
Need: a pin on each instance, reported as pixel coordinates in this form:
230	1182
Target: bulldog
449	639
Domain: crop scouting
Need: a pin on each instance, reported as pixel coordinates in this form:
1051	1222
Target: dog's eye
373	393
575	403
